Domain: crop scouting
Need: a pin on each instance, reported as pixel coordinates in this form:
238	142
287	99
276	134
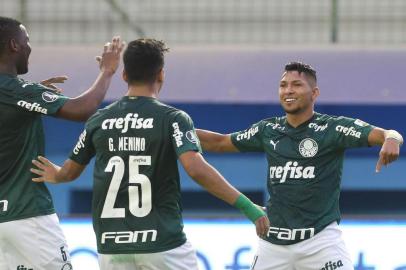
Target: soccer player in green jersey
30	235
305	152
137	141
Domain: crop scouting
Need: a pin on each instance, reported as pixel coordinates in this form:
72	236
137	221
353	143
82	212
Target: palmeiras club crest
308	147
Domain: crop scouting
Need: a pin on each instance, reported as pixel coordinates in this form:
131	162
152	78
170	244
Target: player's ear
161	76
13	45
315	93
124	76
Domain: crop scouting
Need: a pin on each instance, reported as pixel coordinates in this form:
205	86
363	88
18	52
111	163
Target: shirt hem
42	213
133	251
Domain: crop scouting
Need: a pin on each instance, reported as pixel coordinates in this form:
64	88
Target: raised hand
110	59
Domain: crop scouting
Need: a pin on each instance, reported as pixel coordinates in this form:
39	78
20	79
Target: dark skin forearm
82	107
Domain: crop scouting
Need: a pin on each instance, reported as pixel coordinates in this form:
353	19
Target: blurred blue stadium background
223	69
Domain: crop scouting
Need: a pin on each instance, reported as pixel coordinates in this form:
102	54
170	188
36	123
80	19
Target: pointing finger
379	165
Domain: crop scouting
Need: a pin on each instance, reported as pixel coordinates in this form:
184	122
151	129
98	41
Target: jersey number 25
139	190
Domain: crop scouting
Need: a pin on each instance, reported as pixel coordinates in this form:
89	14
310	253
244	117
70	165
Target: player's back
136	200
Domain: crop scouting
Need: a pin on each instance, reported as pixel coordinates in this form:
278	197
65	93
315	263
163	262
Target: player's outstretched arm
215	142
391	140
210	179
52	173
82	107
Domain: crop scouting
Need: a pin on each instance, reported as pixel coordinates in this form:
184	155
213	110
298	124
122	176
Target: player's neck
296	120
144	90
7	69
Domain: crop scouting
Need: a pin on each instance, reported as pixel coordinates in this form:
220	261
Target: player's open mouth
290	100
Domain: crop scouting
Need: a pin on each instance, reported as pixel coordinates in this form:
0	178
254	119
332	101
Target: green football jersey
136	190
21	140
304	170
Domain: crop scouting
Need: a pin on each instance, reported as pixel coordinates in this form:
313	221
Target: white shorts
325	251
180	258
36	243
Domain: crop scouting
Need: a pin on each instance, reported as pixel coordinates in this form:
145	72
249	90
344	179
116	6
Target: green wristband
248	208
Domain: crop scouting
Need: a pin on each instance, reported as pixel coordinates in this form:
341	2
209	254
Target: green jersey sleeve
250	139
183	133
32	97
350	133
84	150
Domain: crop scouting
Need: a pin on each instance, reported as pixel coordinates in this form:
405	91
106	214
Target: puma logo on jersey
248	133
291	234
3	205
291	170
126	237
351	131
177	134
273	144
131	120
32	106
332	265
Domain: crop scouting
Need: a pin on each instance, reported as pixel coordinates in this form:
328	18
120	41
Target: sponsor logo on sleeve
191	136
348	131
49	97
32	107
81	143
360	123
177	134
248	133
308	147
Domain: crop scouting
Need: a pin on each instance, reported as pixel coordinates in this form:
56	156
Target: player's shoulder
337	119
321	118
18	86
101	114
273	122
274	119
173	112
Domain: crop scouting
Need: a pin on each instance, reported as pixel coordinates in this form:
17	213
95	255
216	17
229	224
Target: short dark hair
8	29
302	68
143	59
